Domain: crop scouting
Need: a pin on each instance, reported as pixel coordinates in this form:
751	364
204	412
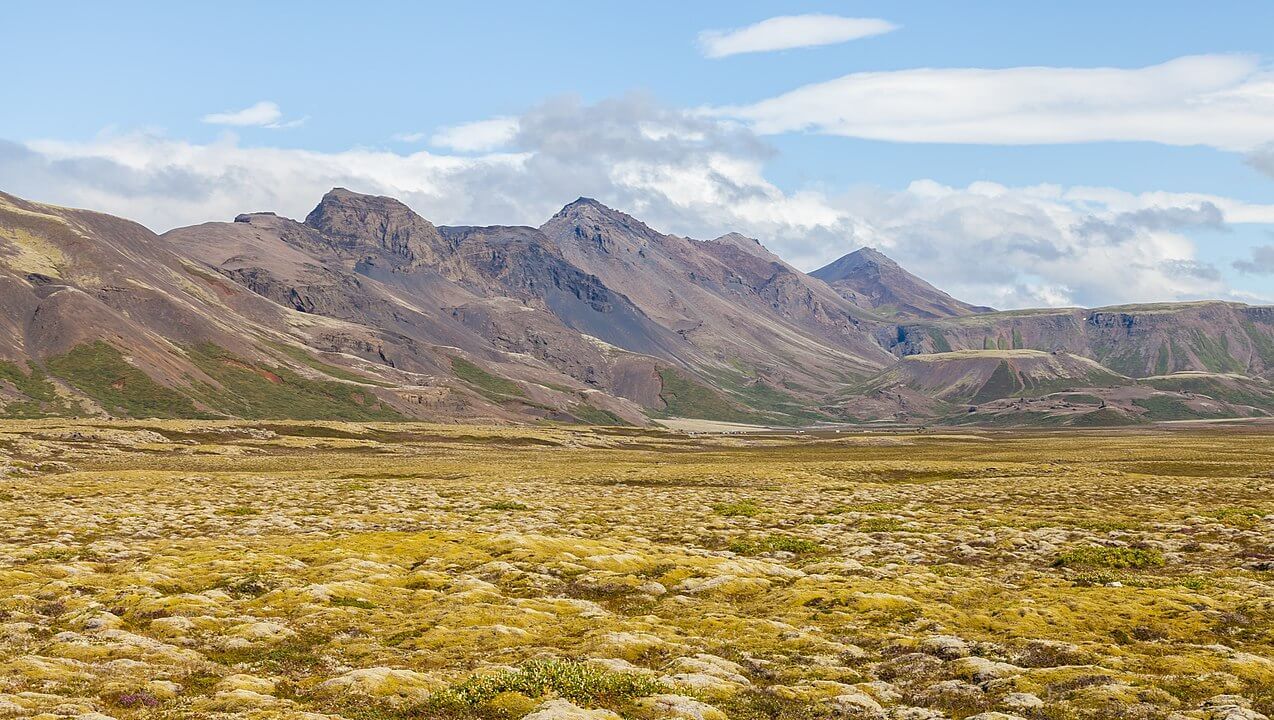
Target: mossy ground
210	569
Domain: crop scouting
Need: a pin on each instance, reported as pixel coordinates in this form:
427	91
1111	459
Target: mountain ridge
367	310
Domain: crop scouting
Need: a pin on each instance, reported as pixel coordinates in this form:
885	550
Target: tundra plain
163	569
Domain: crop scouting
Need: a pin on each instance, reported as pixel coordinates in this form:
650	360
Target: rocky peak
863	261
749	245
869	278
588	223
355	220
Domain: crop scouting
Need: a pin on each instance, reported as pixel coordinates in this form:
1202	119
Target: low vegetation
392	571
490	386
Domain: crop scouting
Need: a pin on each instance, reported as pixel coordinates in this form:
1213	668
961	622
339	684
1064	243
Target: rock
858	705
947	647
994	716
915	713
1022	701
619	665
1217	701
706	664
162	689
235	701
679	706
384	682
264	631
652	588
246	682
1230	707
981	670
565	710
702	682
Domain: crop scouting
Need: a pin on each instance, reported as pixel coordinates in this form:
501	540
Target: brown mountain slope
746	308
369	265
870	279
104	318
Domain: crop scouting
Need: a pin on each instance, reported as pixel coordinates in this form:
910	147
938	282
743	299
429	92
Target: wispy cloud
1224	101
263	114
790	31
477	136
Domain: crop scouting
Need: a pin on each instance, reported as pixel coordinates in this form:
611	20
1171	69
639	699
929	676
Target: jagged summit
864	259
589	223
869	278
374	221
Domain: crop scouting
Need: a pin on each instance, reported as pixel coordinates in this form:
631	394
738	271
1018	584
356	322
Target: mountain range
365	310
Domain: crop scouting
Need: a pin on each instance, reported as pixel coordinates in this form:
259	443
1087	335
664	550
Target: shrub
746	507
137	699
575	681
1098	556
1239	517
504	505
775	543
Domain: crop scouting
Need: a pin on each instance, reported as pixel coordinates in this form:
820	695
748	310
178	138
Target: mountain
869	279
365	310
729	297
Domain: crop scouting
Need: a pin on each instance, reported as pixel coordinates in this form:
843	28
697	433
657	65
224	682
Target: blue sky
110	106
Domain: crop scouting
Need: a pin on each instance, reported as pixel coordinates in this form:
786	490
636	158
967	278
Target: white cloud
263	114
790	31
1225	101
685	174
478	136
411	137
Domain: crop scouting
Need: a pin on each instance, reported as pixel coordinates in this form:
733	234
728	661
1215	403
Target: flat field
323	570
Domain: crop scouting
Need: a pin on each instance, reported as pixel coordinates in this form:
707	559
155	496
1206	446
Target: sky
1015	154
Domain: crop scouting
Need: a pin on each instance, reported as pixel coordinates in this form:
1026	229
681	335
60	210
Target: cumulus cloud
478	136
1224	101
790	31
1261	262
263	114
684	173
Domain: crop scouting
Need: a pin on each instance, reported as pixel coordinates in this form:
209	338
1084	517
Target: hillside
1134	340
975	376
